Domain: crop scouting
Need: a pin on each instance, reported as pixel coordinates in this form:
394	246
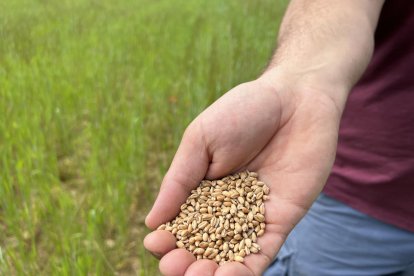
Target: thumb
187	169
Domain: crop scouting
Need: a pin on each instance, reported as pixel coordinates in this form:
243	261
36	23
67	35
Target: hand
286	134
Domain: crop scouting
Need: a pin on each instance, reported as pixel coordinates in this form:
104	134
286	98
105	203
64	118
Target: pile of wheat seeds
222	219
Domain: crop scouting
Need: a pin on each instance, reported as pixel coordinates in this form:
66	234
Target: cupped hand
286	134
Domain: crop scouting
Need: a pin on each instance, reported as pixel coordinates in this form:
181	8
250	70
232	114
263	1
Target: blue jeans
334	239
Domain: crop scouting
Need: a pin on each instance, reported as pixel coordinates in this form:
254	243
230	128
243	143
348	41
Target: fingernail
146	219
156	255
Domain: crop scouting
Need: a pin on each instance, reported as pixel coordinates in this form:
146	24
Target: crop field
94	97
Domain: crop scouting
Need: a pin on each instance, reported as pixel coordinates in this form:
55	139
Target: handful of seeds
222	219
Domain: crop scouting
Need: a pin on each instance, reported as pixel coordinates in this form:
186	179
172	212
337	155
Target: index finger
187	169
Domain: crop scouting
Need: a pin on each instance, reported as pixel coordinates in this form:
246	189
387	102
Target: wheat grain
222	219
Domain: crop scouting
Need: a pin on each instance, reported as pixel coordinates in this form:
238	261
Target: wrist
305	84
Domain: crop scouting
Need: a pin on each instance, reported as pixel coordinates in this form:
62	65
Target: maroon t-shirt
374	167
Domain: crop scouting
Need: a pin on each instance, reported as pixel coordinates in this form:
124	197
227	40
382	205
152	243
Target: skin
283	125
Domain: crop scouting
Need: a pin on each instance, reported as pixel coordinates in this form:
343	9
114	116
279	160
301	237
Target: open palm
286	135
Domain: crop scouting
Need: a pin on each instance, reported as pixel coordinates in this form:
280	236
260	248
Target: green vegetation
94	96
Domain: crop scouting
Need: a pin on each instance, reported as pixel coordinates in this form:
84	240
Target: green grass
94	96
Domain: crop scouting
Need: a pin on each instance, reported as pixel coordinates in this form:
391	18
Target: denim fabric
334	239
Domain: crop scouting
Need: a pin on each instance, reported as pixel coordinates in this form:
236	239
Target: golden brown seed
205	237
247	250
248	243
250	216
259	217
237	228
202	225
238	237
238	258
231	255
182	227
203	244
217	259
241	245
208	252
207	216
254	237
217	203
199	251
262	209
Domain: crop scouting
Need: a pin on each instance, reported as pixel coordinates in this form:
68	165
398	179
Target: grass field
94	96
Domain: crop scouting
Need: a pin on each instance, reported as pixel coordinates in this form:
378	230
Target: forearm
325	43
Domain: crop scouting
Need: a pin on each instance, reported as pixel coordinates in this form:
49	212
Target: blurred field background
94	97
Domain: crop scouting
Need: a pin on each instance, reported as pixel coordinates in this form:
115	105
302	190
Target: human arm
285	126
